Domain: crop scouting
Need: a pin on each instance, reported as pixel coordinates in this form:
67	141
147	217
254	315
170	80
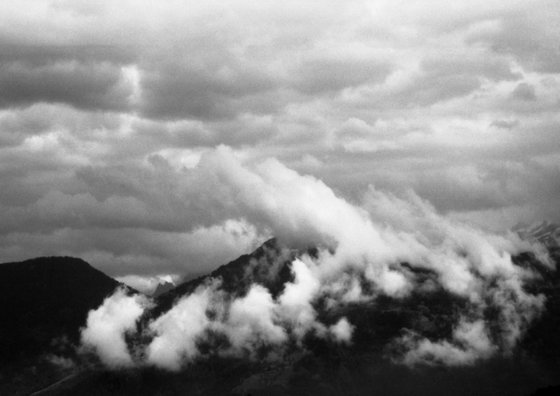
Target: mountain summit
268	265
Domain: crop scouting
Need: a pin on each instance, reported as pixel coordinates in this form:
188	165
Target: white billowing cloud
461	254
177	331
386	231
303	211
358	245
342	331
254	319
107	325
470	343
295	301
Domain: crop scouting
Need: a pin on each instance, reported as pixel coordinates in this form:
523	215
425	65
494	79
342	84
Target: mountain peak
268	265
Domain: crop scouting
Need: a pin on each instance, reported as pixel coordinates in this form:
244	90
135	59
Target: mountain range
45	303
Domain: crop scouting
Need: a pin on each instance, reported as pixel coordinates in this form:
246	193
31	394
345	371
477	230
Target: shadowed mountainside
44	302
269	265
322	367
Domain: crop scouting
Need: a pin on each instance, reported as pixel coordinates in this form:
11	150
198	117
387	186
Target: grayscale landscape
279	197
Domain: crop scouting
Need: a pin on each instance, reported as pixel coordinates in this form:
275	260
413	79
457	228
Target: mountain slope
46	298
268	265
43	303
319	366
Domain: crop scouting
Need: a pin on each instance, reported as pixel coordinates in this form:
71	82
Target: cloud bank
380	247
107	325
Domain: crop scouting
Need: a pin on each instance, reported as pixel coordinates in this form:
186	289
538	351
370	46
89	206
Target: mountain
321	367
326	368
541	339
43	303
161	288
268	265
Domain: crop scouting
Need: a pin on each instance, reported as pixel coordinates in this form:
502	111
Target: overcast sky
107	107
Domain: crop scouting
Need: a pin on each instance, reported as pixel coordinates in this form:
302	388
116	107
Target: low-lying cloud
107	325
384	241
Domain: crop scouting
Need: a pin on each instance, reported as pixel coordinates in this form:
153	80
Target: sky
142	136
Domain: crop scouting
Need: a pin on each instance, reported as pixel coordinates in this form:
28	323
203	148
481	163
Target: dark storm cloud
87	86
182	91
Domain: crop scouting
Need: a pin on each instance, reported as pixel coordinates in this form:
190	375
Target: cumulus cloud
107	325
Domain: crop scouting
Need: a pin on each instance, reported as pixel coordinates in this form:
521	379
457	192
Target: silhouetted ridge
321	367
268	265
45	299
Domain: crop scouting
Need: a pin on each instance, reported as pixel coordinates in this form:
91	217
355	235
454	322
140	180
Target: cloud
95	87
176	331
524	91
295	300
290	81
147	284
517	33
470	343
115	117
365	244
254	320
106	327
342	331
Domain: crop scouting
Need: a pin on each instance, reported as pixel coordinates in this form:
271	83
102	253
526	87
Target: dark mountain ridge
323	367
268	265
45	298
44	302
529	366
